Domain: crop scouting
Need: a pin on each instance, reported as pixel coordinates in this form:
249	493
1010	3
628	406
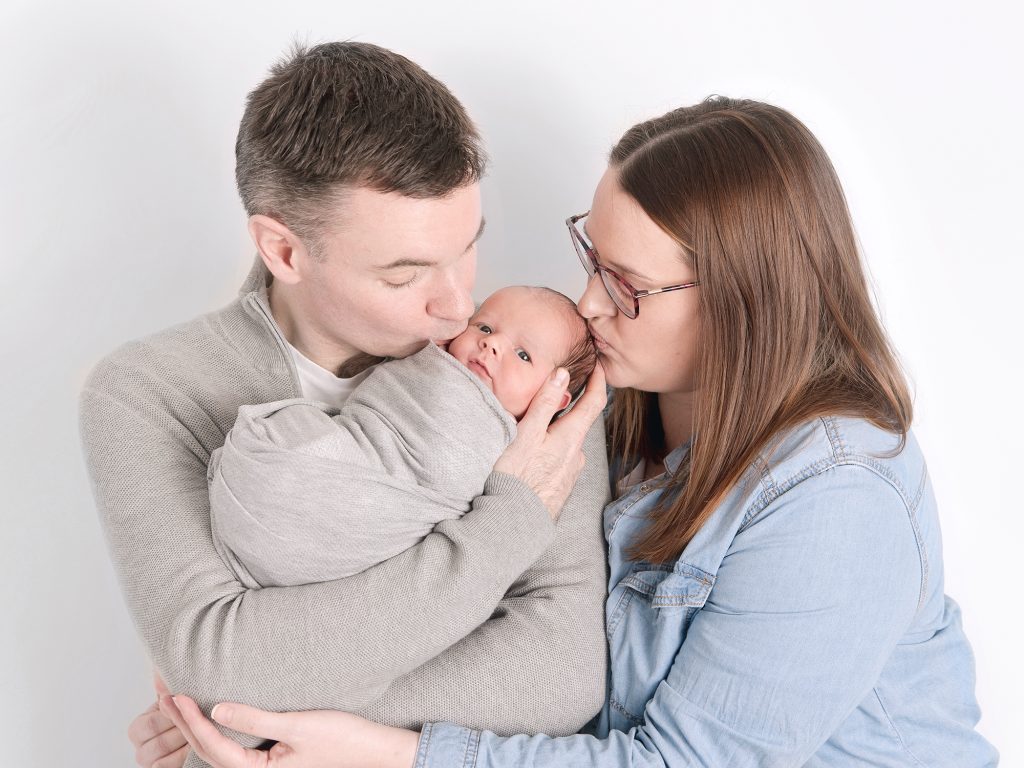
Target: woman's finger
221	751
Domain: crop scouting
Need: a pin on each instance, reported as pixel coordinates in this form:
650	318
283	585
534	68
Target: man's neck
301	334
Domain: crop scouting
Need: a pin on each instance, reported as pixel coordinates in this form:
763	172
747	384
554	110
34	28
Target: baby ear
566	397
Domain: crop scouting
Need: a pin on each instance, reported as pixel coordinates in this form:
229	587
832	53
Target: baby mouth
481	372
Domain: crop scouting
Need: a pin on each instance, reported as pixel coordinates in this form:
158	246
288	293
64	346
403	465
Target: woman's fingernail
560	378
219	714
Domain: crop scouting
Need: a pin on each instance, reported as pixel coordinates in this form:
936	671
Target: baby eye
523	355
484	328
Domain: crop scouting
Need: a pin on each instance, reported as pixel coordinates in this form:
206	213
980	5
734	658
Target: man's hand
158	741
549	457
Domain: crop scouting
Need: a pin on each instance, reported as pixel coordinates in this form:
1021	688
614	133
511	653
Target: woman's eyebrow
613	264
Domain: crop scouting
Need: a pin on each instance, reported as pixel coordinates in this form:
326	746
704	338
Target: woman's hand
321	739
549	457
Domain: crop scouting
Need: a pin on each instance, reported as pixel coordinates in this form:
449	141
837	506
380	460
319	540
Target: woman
776	591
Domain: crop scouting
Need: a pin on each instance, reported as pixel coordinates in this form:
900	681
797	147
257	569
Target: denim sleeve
810	600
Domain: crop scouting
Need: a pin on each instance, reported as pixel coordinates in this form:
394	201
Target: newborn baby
302	492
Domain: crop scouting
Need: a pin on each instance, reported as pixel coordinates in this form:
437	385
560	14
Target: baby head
518	337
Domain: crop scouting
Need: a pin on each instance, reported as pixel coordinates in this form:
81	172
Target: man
360	174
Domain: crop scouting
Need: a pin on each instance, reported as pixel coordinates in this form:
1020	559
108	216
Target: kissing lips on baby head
518	337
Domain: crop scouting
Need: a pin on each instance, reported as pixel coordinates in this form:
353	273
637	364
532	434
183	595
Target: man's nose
453	301
595	301
455	305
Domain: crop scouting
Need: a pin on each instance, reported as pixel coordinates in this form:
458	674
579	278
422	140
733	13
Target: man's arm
539	664
333	645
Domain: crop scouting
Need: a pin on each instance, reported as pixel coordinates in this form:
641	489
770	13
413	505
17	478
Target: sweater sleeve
316	645
539	664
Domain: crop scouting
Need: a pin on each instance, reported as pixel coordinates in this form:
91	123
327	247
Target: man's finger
173	760
148	725
577	422
171	710
160	685
157	750
545	403
595	396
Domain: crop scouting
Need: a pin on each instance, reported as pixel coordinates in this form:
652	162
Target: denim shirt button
645	488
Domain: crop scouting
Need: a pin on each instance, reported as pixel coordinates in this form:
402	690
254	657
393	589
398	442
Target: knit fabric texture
495	620
302	492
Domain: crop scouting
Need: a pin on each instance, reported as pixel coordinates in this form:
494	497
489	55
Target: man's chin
411	348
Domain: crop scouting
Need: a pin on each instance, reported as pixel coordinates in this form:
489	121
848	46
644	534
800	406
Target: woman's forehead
626	237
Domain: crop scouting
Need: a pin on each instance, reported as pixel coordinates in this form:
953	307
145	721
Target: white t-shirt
322	385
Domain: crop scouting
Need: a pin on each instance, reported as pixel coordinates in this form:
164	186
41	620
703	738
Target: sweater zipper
281	343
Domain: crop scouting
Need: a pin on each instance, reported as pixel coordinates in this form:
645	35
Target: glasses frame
588	258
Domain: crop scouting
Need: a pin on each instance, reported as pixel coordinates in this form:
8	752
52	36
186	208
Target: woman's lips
600	343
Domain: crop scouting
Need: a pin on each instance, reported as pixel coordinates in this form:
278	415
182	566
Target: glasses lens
621	293
581	248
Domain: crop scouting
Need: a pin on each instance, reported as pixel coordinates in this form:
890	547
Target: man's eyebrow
614	265
423	263
407	263
478	235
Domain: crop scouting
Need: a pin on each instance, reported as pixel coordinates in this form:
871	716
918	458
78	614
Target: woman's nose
595	301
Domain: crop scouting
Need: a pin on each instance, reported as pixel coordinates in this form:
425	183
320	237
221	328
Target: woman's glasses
625	297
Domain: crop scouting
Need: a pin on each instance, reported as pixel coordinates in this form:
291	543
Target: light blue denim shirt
804	625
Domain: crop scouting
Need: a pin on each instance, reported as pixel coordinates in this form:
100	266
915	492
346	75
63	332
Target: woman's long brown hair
788	332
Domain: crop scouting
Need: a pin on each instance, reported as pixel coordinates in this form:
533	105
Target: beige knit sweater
495	620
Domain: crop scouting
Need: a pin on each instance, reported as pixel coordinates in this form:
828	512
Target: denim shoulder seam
921	549
819	467
895	730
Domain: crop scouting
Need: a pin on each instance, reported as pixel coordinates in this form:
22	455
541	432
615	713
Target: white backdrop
118	216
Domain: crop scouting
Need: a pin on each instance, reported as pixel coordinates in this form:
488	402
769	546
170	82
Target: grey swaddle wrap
302	492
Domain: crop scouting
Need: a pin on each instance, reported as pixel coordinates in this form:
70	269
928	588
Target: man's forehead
390	230
427	261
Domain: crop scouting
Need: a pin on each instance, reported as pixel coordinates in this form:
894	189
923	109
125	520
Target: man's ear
281	249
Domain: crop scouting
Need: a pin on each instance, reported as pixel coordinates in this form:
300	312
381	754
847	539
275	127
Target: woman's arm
807	607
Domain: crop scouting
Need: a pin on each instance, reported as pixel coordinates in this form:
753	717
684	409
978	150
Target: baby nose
489	344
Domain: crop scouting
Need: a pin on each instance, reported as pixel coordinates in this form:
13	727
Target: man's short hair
339	115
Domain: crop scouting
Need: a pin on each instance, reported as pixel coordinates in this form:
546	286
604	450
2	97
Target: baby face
513	343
